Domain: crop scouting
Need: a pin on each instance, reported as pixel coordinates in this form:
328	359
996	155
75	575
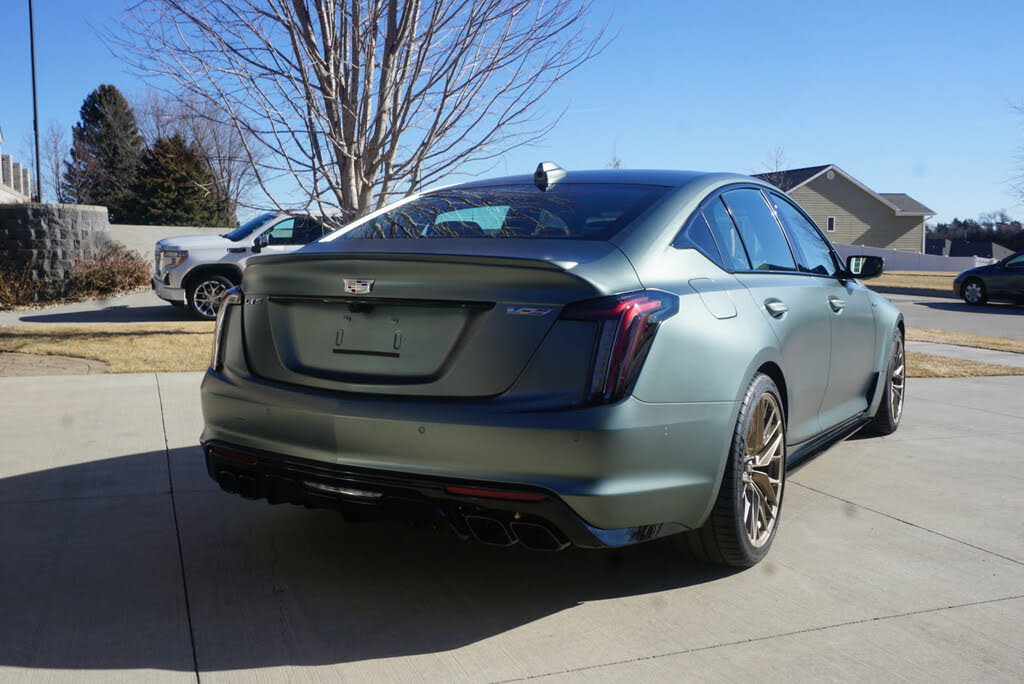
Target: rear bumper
544	522
166	292
617	467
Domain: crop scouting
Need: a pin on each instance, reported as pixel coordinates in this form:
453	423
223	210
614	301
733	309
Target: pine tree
105	152
175	187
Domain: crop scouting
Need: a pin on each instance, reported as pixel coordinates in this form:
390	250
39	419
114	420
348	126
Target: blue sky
911	97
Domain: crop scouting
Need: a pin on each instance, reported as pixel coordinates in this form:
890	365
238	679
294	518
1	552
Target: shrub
17	288
116	270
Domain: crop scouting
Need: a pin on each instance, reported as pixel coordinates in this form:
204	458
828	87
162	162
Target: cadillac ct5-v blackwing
589	358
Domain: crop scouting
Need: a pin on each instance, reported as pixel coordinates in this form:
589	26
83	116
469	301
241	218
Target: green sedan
585	358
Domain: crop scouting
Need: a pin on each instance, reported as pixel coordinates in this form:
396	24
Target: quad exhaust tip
531	535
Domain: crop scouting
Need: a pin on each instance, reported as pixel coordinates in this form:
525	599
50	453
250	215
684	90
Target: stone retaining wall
51	237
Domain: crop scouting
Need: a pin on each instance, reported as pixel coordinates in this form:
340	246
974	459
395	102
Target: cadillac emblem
358	285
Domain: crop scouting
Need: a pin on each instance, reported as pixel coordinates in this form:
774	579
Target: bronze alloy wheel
762	471
898	381
745	517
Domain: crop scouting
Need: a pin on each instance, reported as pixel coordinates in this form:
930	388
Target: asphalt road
946	313
899	559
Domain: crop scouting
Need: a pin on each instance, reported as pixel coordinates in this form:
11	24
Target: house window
830	224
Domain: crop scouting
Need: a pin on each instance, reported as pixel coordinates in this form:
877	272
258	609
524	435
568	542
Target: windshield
579	212
246	229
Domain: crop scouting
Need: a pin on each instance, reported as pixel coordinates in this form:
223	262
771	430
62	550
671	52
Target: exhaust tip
489	531
537	537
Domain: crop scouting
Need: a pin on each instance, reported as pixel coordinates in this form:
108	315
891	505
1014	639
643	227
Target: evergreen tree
175	187
105	152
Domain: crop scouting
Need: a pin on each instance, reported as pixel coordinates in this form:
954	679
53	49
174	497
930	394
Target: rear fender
887	319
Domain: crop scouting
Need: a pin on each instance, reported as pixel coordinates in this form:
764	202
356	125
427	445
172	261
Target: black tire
973	291
890	410
725	538
204	294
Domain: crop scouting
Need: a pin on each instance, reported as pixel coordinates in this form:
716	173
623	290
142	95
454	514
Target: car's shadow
963	307
93	578
114	314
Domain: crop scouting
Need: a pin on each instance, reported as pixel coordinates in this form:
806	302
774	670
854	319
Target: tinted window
762	236
580	212
249	226
1016	262
813	254
697	234
724	230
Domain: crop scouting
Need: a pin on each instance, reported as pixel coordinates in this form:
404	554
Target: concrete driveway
139	307
898	558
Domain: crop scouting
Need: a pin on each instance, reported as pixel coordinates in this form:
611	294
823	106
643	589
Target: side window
282	233
813	253
762	235
1016	263
729	243
306	230
697	235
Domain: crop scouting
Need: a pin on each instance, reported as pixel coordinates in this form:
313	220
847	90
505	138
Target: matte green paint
497	397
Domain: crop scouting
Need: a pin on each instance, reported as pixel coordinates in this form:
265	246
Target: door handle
775	307
836	303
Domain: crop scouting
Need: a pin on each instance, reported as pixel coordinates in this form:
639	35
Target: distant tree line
993	226
171	176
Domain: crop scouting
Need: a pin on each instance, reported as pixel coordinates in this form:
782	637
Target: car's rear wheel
204	295
973	292
890	409
745	517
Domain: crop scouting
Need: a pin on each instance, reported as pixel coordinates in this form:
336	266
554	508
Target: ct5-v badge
358	285
528	311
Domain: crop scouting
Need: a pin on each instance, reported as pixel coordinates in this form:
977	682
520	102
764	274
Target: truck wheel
204	295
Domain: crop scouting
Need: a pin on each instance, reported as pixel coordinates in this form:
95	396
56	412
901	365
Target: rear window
565	211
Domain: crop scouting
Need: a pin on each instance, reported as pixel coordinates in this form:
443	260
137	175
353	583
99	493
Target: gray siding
860	218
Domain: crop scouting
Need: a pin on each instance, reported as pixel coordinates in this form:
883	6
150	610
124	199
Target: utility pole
35	107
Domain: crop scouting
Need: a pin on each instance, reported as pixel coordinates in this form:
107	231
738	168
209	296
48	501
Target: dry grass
178	347
931	366
916	280
124	347
962	339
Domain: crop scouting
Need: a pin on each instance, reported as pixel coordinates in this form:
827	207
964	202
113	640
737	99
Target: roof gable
900	203
788	179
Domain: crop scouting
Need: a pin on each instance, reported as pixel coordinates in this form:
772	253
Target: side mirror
259	243
863	267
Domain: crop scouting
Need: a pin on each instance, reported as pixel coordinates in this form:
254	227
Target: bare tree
55	149
774	167
224	148
359	101
615	162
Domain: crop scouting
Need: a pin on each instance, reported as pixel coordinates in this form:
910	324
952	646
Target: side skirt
814	446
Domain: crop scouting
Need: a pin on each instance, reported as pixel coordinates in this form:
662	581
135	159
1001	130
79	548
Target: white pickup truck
195	270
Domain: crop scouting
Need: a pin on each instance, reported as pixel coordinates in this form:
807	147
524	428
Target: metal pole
35	107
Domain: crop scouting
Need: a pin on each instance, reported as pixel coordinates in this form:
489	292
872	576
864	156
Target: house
981	248
14	179
851	213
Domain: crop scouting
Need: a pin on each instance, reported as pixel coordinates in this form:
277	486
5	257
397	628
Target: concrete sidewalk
898	558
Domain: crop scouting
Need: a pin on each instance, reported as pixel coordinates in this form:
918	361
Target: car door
847	306
291	233
791	307
1008	281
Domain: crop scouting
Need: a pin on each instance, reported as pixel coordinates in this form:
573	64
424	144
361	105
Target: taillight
230	298
626	327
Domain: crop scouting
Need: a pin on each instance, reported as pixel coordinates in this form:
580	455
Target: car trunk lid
425	323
